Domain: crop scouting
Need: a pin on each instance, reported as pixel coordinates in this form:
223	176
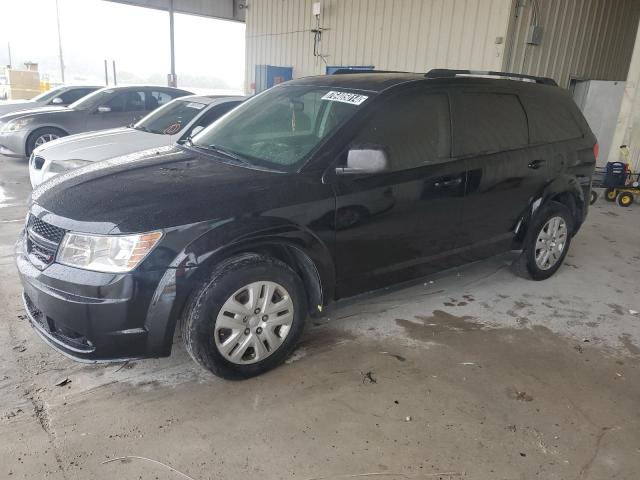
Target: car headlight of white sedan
60	166
16	125
106	253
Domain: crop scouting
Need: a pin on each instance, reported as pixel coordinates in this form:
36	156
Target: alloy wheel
254	322
47	137
551	242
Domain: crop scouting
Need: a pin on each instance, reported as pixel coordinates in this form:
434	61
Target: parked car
21	132
230	235
173	122
58	97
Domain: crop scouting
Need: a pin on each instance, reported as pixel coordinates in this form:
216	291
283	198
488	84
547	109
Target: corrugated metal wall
411	35
584	39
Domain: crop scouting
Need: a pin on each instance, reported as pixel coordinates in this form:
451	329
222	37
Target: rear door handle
536	164
453	182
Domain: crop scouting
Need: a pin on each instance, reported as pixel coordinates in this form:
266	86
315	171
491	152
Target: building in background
571	41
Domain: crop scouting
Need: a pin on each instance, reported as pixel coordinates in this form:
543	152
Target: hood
155	189
15	105
100	145
34	112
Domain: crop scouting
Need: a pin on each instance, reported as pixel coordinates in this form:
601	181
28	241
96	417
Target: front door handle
536	164
453	182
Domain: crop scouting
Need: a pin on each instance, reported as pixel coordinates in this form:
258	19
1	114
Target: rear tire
42	136
625	199
547	241
246	318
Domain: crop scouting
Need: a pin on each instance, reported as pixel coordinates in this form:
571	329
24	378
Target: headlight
17	124
59	166
106	253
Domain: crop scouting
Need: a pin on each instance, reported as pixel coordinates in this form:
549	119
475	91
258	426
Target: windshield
170	118
280	127
92	100
48	95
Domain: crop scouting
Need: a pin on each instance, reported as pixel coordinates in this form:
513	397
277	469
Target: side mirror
364	161
104	109
196	130
57	101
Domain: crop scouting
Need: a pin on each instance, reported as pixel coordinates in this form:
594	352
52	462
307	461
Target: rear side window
550	120
413	128
488	122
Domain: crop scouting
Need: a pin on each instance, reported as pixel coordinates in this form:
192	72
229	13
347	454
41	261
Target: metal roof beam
222	9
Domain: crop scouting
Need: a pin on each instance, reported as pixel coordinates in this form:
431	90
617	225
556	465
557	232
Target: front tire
247	318
41	136
548	241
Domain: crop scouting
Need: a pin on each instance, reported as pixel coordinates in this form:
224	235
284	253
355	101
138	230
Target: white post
628	127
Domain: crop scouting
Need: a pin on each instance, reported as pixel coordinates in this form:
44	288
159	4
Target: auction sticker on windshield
345	97
197	106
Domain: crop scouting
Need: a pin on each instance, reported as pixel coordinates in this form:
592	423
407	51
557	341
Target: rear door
401	223
491	134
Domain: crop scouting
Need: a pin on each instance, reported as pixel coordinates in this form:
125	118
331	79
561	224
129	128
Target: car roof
373	82
81	86
212	99
129	87
378	82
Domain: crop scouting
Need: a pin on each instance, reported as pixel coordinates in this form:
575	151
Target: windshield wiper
224	151
139	127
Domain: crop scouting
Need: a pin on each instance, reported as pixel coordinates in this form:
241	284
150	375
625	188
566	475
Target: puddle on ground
439	322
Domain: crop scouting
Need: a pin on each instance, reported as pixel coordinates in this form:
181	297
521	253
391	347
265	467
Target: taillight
596	150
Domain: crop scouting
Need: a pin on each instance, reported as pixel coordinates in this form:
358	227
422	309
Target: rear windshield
92	100
280	127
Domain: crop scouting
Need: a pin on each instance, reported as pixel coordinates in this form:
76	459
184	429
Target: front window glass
170	118
280	127
48	95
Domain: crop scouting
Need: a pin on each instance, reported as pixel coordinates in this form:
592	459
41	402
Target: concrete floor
474	373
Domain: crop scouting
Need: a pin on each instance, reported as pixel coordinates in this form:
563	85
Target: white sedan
173	122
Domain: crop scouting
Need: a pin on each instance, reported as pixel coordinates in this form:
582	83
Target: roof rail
446	73
342	71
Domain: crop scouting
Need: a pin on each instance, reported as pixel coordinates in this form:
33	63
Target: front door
401	223
120	110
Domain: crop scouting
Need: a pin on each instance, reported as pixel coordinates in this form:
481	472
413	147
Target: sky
209	52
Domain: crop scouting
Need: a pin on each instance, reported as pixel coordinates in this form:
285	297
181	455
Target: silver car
57	97
21	132
173	122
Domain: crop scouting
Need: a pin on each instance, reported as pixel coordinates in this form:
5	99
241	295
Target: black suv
315	190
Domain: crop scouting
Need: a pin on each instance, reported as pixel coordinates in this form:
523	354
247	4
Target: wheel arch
300	249
565	190
39	128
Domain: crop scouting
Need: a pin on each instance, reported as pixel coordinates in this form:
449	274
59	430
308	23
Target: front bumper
12	144
89	316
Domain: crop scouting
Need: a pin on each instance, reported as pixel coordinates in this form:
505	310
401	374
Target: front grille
46	230
38	162
43	240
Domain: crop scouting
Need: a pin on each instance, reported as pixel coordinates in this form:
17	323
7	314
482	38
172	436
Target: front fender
191	266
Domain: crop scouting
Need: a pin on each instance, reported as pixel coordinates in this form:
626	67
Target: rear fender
564	188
